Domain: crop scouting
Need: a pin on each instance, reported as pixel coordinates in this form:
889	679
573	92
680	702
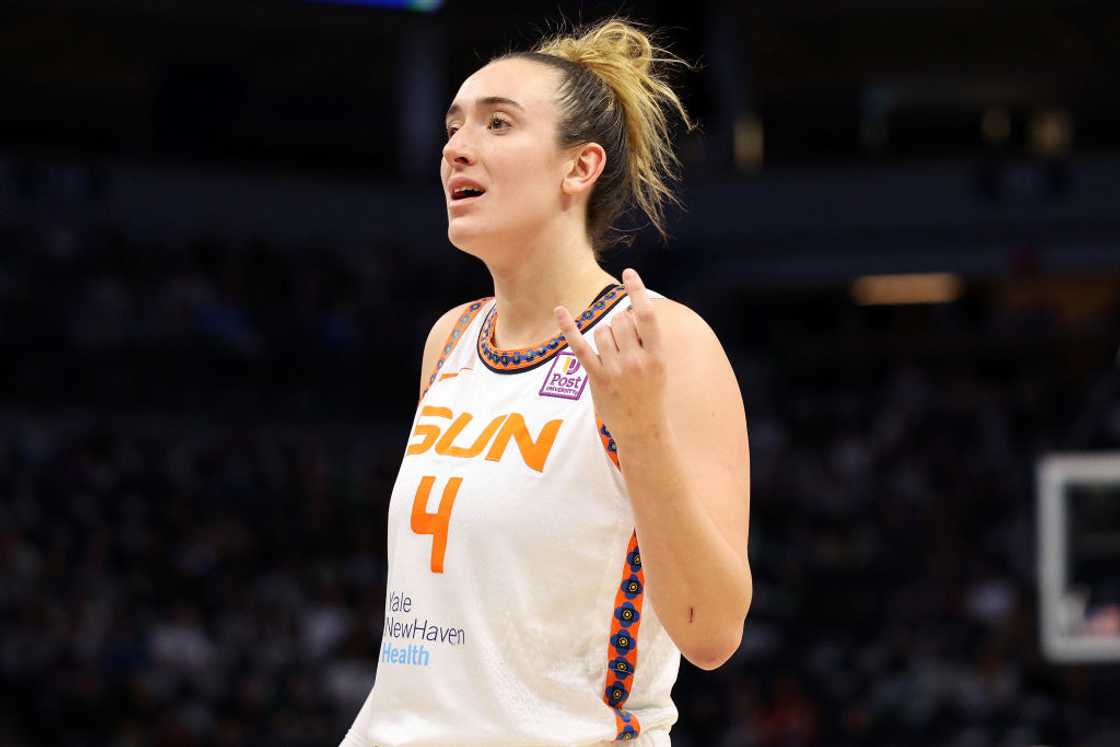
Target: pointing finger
584	353
644	314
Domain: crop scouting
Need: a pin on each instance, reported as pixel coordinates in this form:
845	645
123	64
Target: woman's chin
462	236
469	235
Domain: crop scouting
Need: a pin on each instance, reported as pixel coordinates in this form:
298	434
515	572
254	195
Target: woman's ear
586	165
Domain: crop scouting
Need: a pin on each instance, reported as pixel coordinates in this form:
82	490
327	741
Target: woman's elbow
715	654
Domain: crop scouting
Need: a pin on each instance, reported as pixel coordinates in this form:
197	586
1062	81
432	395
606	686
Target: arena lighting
996	125
426	6
934	287
750	143
1051	133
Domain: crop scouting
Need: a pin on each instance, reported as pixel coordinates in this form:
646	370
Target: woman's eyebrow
486	101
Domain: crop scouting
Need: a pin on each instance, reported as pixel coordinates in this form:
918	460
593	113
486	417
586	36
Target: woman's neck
527	290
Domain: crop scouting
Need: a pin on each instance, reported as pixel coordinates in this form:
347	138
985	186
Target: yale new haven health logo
566	378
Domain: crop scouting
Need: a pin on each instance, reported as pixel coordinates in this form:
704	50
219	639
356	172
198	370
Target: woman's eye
494	123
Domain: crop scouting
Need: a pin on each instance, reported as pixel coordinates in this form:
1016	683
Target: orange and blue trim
608	442
525	359
622	653
453	337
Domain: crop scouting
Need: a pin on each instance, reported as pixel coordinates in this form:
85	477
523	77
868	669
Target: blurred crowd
170	580
187	587
249	300
95	317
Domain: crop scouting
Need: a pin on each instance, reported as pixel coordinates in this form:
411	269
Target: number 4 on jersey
434	524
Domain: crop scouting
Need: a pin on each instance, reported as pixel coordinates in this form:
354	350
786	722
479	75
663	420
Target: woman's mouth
466	193
464	198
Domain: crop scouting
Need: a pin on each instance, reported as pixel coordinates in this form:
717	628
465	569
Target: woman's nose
457	150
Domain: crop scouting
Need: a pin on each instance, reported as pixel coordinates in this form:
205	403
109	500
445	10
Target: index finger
644	314
584	353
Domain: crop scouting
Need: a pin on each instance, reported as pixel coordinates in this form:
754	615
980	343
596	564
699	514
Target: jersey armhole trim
608	442
453	338
622	653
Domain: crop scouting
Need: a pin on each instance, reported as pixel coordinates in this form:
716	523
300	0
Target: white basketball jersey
515	607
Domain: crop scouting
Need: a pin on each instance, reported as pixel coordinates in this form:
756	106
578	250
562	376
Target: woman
546	449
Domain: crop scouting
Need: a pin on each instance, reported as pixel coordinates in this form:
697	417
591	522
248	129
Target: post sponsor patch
566	377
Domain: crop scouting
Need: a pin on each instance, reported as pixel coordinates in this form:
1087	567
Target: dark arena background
223	242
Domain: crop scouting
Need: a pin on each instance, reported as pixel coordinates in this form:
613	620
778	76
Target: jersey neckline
525	359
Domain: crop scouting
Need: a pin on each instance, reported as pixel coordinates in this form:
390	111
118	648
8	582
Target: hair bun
613	92
609	44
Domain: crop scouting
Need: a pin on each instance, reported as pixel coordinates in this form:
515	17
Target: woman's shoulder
450	318
441	330
679	321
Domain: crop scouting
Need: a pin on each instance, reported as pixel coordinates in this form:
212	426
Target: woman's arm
665	390
688	477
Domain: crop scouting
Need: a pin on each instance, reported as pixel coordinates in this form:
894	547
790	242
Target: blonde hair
614	92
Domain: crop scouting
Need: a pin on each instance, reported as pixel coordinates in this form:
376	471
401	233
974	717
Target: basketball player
571	511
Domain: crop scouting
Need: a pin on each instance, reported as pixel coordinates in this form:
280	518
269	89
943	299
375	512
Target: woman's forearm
699	585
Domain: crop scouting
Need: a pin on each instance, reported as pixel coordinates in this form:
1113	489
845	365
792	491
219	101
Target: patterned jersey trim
525	359
622	654
608	442
452	340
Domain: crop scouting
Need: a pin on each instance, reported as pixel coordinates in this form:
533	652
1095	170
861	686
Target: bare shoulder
681	325
437	337
696	356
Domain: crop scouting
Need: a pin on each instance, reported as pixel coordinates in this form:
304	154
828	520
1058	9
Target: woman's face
502	169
